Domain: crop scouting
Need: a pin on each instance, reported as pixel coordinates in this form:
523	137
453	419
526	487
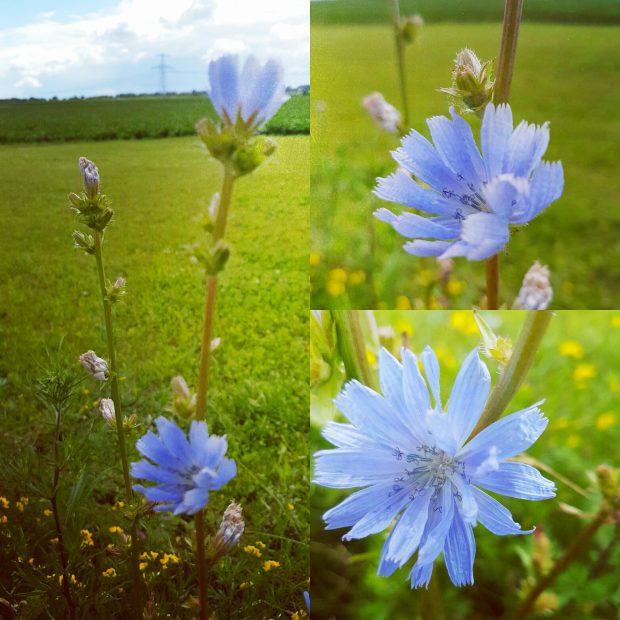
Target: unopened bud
106	406
90	176
382	112
493	346
95	366
183	399
83	242
536	292
410	27
117	290
230	531
215	343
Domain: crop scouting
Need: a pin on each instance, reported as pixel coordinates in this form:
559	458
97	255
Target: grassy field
577	372
564	74
127	117
48	291
371	11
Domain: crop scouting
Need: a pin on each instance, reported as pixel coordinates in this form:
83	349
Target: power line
163	67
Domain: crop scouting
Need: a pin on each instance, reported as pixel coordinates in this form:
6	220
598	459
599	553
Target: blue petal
193	501
416	394
150	446
347	468
526	147
354	507
413	225
431	369
391	379
459	552
157	494
418	156
226	472
173	439
386	567
148	471
506	194
517	480
485	235
442	513
495	135
466	505
427	248
546	185
495	517
262	89
400	188
421	575
224	81
346	436
510	435
468	397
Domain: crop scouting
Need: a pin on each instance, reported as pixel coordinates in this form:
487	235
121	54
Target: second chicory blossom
473	197
184	470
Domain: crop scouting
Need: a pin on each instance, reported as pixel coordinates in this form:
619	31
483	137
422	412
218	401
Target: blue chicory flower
184	471
474	198
416	465
254	92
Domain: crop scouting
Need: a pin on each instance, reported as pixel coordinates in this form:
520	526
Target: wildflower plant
416	463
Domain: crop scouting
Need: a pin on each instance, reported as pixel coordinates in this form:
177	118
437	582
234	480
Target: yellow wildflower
169	557
572	441
357	277
403	328
154	555
86	391
334	288
19	506
315	259
24	500
261	544
463	321
403	303
110	547
116	530
571	348
606	420
338	275
583	372
269	564
47	512
560	423
245	585
455	287
4	502
87	539
143	565
109	572
144	555
252	550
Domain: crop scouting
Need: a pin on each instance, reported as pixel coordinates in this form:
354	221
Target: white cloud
114	50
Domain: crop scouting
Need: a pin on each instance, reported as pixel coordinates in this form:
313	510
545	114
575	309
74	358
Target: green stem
351	345
107	312
400	59
584	537
501	92
202	566
521	360
211	289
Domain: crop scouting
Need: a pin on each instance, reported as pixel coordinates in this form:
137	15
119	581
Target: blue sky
69	47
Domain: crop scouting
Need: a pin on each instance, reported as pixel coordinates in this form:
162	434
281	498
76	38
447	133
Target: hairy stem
107	313
501	92
211	289
400	59
64	561
532	332
572	553
202	566
351	345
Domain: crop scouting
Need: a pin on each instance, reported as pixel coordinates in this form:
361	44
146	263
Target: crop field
48	294
576	373
126	118
565	74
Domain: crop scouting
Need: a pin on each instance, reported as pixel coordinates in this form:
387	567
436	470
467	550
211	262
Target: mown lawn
577	373
48	292
564	74
126	118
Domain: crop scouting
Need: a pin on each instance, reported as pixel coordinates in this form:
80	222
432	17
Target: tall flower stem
64	561
501	92
211	289
400	59
202	565
521	360
107	312
350	342
572	553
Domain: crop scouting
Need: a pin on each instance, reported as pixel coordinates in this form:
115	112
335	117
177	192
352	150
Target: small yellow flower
19	506
606	420
143	565
86	391
573	441
583	372
560	423
4	502
315	259
87	539
463	321
252	550
109	572
335	289
571	348
47	512
168	557
24	500
403	303
455	287
290	506
403	328
269	564
154	555
116	530
357	277
371	357
261	544
245	585
338	275
144	555
4	519
110	547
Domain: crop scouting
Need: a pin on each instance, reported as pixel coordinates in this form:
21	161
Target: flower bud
410	27
183	399
106	407
117	290
230	531
220	143
472	81
494	347
382	112
90	176
215	343
83	242
94	366
536	292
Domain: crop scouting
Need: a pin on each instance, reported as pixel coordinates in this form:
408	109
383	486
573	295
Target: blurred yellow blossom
605	420
87	539
571	348
269	564
573	441
109	572
4	519
154	555
615	320
403	303
19	506
315	259
290	506
47	512
244	585
357	277
143	565
252	550
463	321
371	357
559	423
403	327
583	372
168	558
455	287
261	544
335	288
4	502
338	275
116	530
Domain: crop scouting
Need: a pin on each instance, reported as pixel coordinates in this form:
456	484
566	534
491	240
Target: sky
68	48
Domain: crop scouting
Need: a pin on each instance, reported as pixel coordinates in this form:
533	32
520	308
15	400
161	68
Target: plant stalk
350	342
202	566
521	360
59	531
107	312
501	92
400	59
211	289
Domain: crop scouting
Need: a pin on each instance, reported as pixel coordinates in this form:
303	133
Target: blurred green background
577	372
566	73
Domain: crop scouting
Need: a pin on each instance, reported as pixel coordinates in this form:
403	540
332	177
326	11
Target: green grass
583	432
372	11
258	398
564	74
125	118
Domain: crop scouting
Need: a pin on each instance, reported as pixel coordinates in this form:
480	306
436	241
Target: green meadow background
577	373
259	397
566	73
